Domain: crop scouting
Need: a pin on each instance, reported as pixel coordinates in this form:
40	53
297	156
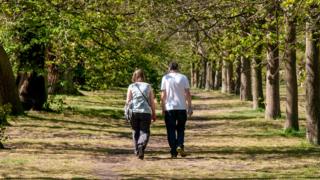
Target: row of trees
59	46
237	46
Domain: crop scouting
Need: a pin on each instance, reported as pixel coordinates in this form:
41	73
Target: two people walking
175	103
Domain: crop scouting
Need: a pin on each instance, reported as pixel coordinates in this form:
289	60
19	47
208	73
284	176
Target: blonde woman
142	97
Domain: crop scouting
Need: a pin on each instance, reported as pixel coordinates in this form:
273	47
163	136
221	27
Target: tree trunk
32	90
224	87
227	77
272	84
209	80
204	72
238	77
201	79
257	88
213	72
193	75
197	78
8	88
291	76
53	78
68	87
312	79
245	87
230	82
60	81
218	76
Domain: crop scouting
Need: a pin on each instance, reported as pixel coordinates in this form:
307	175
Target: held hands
154	117
163	112
190	111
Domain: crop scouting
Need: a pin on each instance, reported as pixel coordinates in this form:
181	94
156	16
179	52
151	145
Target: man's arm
188	99
163	101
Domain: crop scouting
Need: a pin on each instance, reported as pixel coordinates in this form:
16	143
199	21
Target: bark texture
8	88
61	81
272	80
245	87
238	77
209	80
291	76
217	77
193	75
312	79
257	88
227	77
32	90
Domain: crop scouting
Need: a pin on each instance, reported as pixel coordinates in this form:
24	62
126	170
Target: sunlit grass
90	140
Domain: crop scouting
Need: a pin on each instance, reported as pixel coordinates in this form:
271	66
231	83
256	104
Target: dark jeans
175	123
140	125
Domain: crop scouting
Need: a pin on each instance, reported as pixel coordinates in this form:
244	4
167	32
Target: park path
90	140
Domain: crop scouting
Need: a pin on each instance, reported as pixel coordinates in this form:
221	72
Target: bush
54	103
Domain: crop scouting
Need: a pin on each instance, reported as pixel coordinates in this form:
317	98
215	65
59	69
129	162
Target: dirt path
225	139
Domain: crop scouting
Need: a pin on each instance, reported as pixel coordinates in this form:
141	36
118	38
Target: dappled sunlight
90	139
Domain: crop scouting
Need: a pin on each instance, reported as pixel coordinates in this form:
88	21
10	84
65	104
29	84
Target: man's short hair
173	66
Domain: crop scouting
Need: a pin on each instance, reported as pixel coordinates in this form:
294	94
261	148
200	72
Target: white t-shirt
175	84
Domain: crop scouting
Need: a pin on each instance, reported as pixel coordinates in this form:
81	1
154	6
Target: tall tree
291	75
227	77
245	87
218	76
209	77
257	87
8	89
272	84
313	74
238	76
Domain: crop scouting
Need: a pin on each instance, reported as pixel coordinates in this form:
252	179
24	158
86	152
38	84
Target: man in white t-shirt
176	104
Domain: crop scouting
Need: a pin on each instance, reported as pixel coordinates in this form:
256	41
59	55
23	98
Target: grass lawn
90	140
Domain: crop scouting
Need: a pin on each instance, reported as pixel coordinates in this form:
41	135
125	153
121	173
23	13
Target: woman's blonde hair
138	75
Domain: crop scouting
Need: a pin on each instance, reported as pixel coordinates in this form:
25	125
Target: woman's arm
129	96
153	106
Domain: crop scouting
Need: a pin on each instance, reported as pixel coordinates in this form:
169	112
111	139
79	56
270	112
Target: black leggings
140	125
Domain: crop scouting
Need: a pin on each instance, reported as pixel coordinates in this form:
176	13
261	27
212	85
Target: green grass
90	139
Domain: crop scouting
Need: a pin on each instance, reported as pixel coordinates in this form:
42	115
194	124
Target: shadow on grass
155	176
37	118
113	103
214	97
101	113
73	132
235	115
220	106
46	178
221	117
259	124
68	148
284	152
262	129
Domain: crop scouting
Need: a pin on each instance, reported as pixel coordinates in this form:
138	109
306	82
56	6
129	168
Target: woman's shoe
140	152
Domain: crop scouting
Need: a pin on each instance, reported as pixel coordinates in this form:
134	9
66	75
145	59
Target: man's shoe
140	152
181	152
173	156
